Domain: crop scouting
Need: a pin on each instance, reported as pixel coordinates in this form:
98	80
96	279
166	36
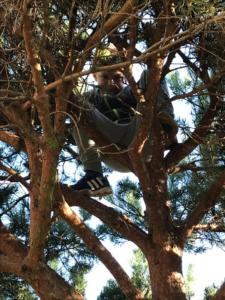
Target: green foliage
13	288
77	275
63	244
210	291
140	273
111	292
140	278
201	168
189	282
128	199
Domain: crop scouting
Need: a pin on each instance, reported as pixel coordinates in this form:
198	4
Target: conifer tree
48	50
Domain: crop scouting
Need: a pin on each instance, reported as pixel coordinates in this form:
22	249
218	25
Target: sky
208	268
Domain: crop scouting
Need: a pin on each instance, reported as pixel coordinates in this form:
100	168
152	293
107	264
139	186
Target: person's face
110	80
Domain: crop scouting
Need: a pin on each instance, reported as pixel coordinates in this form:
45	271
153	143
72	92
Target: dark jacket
120	107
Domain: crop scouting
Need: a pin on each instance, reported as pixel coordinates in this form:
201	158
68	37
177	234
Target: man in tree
112	110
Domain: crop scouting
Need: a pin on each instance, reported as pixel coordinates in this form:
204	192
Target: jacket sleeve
163	102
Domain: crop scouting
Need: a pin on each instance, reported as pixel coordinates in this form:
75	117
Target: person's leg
116	133
94	182
119	134
87	150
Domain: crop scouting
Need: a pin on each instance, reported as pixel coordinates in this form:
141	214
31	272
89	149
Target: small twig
13	205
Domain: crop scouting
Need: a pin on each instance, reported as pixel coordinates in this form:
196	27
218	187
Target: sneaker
95	183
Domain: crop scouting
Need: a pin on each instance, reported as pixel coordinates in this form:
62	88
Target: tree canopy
48	50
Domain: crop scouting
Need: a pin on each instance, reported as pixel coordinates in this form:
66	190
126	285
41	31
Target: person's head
109	79
112	80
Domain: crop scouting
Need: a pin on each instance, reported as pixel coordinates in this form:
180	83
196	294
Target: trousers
120	135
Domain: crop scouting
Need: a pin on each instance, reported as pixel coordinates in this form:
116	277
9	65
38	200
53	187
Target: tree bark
48	284
165	267
220	294
45	281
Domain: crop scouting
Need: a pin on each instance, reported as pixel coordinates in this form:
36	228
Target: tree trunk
166	276
48	284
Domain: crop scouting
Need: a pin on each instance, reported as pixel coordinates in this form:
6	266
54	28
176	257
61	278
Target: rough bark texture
165	265
46	282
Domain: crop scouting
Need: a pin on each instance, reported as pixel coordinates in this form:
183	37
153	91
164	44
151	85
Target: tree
111	291
12	288
189	282
47	49
139	276
210	292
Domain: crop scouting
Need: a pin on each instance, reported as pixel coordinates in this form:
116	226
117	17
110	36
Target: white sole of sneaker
101	192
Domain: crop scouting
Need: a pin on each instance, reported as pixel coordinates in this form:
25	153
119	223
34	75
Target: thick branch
116	19
9	266
152	176
14	175
11	139
213	227
41	98
10	245
115	220
63	92
94	244
42	203
47	283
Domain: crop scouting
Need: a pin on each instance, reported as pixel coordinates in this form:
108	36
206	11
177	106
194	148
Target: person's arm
143	81
163	103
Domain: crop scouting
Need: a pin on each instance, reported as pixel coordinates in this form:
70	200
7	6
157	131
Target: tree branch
7	265
44	280
10	245
12	139
98	249
115	220
40	97
116	19
213	227
160	47
13	205
207	200
182	150
193	167
15	176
